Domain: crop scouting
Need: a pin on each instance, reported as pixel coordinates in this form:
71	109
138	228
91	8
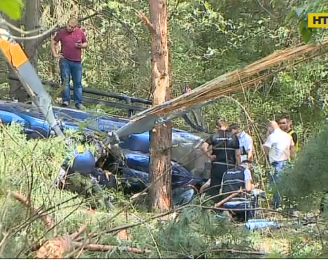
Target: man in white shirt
245	142
279	147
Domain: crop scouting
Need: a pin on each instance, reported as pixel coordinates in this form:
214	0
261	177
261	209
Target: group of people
231	151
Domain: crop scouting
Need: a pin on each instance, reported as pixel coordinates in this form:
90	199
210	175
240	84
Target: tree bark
161	135
31	23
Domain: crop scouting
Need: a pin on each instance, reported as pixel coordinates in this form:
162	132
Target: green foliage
30	167
12	8
301	15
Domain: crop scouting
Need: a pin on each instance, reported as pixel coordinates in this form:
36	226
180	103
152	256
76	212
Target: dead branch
57	246
219	204
78	233
146	21
104	248
234	251
45	218
235	80
54	248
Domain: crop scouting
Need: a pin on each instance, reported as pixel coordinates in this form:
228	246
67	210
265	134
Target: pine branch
104	248
235	251
45	218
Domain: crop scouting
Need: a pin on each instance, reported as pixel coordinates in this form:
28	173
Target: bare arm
249	155
250	152
81	45
53	46
205	186
84	45
248	185
292	150
248	180
206	148
237	155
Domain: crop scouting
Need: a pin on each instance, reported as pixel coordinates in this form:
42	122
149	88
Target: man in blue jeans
72	40
279	147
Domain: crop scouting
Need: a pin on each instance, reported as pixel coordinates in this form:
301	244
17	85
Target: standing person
245	142
285	124
72	40
279	147
223	149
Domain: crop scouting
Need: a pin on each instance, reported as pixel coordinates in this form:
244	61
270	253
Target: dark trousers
217	171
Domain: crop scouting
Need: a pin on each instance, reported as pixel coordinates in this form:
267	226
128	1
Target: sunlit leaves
12	8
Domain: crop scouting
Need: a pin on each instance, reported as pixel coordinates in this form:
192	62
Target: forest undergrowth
39	220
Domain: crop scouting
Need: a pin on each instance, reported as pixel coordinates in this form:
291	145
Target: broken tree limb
232	81
219	204
104	248
58	246
146	21
235	251
21	198
78	233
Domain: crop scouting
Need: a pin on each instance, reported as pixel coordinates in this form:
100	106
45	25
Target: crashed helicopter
123	151
130	142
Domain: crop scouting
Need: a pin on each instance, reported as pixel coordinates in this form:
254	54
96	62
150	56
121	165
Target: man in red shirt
72	40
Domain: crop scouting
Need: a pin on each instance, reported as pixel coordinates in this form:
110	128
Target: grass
29	167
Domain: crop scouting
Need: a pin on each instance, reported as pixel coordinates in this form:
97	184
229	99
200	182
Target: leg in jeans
76	70
274	180
65	73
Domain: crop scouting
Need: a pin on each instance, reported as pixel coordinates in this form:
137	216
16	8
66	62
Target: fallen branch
104	248
76	234
57	246
234	251
219	204
232	81
45	218
115	229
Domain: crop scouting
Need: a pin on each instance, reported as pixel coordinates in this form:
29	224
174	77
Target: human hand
58	55
212	157
78	44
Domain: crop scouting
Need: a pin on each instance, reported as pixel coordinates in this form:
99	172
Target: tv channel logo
317	20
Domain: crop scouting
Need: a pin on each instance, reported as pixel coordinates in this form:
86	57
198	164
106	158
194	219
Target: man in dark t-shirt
222	148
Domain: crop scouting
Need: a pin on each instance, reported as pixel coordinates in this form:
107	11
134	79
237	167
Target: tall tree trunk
32	23
161	135
53	69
